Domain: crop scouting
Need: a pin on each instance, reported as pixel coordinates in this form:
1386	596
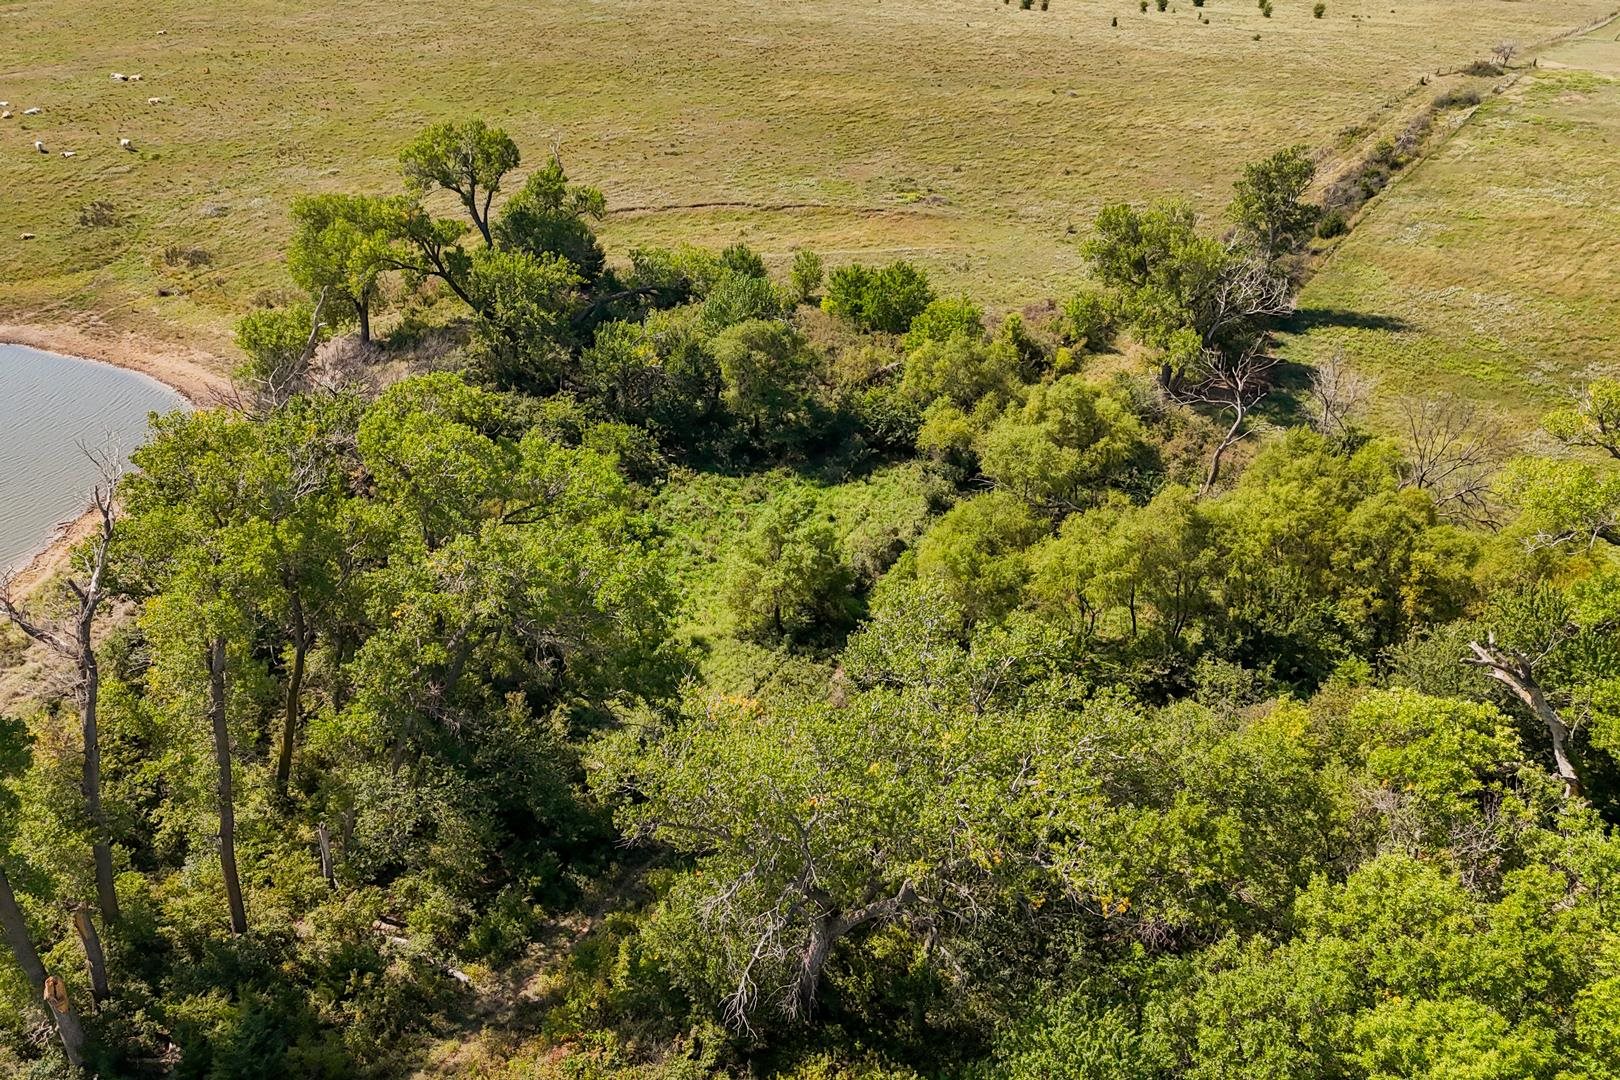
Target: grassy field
1492	270
968	134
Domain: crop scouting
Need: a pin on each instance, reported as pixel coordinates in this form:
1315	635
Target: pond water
50	408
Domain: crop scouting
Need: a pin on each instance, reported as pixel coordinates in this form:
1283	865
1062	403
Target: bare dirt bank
197	376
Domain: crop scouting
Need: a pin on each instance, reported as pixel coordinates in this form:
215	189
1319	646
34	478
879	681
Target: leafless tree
71	637
1339	394
1453	450
1233	384
1249	287
1504	52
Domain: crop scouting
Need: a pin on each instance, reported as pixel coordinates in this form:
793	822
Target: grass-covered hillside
970	135
1490	269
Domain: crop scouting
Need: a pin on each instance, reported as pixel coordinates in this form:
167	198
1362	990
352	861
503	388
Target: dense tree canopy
708	663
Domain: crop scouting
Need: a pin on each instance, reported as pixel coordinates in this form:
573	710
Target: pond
52	408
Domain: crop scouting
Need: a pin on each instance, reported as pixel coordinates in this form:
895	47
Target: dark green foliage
885	299
550	216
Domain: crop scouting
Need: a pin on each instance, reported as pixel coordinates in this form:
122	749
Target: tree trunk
89	695
16	931
825	932
362	308
1226	443
222	759
67	1021
1513	672
323	836
94	958
295	685
47	988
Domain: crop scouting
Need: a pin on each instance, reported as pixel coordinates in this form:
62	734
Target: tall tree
1269	201
341	245
466	157
74	640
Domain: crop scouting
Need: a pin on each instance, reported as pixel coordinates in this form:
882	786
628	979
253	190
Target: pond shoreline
193	374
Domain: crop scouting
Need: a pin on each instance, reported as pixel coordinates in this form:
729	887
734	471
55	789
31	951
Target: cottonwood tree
1182	292
47	989
550	216
340	247
1592	421
812	825
466	157
73	638
1269	203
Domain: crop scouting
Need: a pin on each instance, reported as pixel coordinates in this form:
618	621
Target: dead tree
67	1021
1339	394
1516	670
72	638
1233	384
1504	52
1452	452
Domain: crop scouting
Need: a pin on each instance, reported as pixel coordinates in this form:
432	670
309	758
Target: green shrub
883	300
1161	4
1332	224
1319	10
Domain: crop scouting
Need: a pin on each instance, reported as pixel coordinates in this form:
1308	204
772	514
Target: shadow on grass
1316	318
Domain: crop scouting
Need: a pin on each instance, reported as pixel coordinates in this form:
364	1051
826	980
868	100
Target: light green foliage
341	245
1269	201
1594	421
805	277
766	367
1089	319
884	299
976	553
943	319
1067	439
466	157
274	340
1121	568
737	297
525	303
961	370
1160	264
832	822
786	579
1564	506
954	737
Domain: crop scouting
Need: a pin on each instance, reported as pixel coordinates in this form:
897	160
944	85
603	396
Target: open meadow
970	135
1491	270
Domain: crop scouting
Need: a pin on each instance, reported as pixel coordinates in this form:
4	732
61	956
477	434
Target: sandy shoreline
195	375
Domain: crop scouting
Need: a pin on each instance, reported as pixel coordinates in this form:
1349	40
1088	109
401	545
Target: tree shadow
1314	318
